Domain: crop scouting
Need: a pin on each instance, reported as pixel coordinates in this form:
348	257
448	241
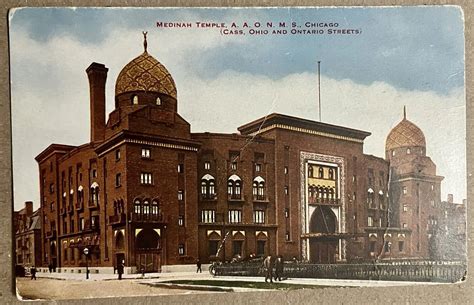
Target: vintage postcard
214	150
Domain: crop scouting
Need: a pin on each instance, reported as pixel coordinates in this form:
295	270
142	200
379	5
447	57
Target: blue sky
405	47
410	56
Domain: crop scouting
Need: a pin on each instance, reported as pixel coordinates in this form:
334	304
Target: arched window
207	187
80	195
95	193
134	100
321	172
310	171
204	188
255	188
234	187
154	208
408	151
370	197
137	207
331	174
158	101
258	188
331	193
146	207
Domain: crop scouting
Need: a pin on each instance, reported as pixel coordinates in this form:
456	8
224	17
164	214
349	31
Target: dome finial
404	112
145	44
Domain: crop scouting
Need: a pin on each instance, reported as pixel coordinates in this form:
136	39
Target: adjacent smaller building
27	225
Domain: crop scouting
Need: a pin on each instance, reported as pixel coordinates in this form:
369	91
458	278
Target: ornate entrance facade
323	208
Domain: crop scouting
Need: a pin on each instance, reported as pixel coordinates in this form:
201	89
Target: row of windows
91	224
134	100
321	173
234	216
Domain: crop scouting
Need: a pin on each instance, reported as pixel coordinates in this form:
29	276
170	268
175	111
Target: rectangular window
118	180
287	213
405	225
286	170
94	173
401	246
405	208
387	246
286	190
180	168
235	216
94	221
208	216
146	153
181	249
258	167
287	236
258	216
207	165
52	206
72	225
51	188
180	195
370	221
146	178
64	227
405	191
81	224
181	220
233	166
117	155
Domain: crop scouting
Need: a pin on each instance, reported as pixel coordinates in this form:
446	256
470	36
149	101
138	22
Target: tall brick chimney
97	74
29	208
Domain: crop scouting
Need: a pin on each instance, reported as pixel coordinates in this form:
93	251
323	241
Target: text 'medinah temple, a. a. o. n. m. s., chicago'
147	191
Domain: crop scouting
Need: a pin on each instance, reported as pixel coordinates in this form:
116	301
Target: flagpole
319	89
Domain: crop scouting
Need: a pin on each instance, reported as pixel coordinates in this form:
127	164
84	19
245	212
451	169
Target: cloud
50	89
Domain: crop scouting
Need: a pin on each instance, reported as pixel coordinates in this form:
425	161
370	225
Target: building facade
147	191
27	226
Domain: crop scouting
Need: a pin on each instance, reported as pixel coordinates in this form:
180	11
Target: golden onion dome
145	73
405	134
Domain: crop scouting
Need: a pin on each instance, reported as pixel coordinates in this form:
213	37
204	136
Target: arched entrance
323	248
148	250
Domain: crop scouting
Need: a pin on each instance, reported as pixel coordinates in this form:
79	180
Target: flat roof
277	120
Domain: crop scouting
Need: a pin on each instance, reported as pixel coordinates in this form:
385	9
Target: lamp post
86	253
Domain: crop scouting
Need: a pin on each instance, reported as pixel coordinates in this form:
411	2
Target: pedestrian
50	267
268	268
278	268
33	273
120	267
198	265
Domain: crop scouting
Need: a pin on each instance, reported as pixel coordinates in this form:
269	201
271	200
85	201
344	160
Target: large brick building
148	191
28	242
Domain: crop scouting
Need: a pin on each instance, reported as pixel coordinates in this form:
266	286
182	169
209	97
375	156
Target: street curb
190	287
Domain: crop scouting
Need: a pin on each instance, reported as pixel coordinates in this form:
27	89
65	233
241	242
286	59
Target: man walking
120	268
198	264
33	273
268	267
278	268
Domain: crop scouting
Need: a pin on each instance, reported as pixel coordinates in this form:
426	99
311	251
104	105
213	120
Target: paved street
73	285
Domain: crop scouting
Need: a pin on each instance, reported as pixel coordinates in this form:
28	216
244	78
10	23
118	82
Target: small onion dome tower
144	80
405	138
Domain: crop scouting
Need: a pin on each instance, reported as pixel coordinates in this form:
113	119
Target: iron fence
425	271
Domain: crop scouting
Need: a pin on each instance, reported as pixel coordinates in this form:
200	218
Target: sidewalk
169	276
